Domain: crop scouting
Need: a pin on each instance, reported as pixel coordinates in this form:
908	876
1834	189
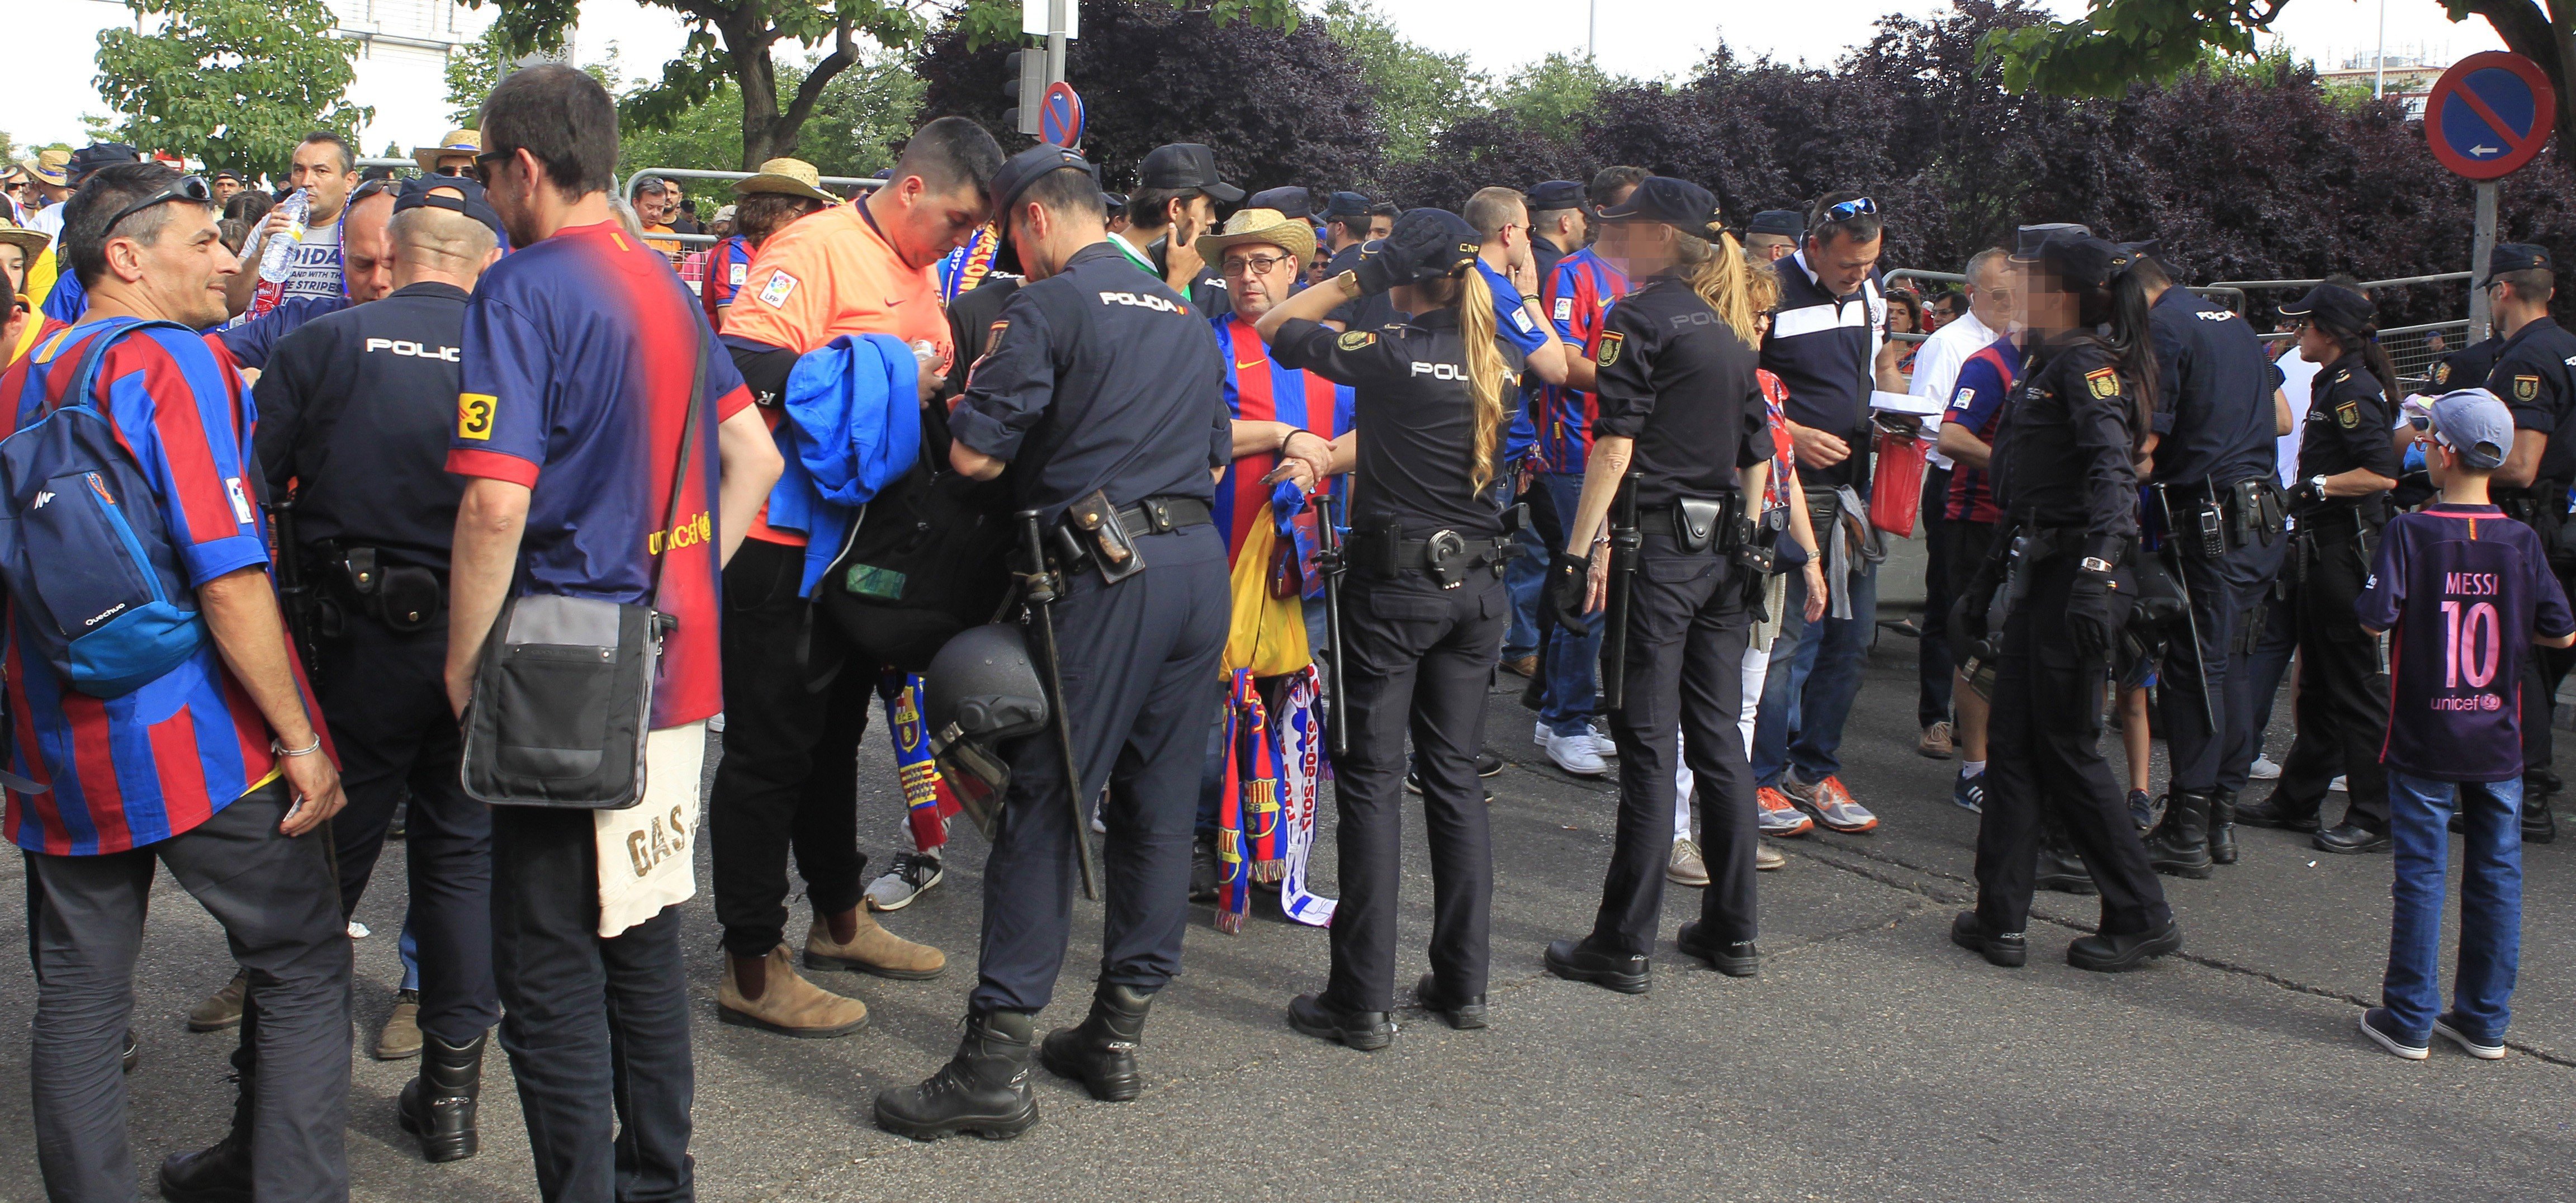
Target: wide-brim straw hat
1260	225
453	142
788	177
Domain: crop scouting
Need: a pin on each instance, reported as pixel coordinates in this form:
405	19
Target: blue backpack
87	561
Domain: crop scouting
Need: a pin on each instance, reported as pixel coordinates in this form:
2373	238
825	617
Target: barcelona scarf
1274	765
961	270
927	796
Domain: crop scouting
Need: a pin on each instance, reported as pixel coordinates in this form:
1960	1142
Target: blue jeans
1573	664
2490	904
409	948
1525	581
1815	677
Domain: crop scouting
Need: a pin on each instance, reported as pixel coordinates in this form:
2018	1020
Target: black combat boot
2222	827
438	1106
2538	825
984	1089
2056	867
220	1173
2180	845
1101	1054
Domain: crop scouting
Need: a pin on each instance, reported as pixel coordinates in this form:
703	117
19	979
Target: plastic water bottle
273	260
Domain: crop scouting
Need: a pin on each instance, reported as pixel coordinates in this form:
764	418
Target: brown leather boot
871	949
785	1002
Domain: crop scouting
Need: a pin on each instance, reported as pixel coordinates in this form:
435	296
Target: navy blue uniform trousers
1421	660
2224	592
1137	658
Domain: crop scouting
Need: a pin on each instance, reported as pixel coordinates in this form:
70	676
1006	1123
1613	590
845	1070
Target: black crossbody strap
680	472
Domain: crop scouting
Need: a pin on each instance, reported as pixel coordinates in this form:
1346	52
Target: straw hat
53	167
1260	225
453	142
33	242
791	177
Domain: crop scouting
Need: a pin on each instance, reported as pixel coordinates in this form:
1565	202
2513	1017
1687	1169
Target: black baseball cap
2335	306
1290	202
96	155
1427	244
1115	202
1185	165
2029	241
1558	194
1346	205
1787	223
2081	260
225	174
1681	204
2506	257
469	199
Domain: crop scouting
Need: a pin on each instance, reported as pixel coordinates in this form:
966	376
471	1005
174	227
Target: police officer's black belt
1698	523
404	597
1445	557
1163	515
1095	534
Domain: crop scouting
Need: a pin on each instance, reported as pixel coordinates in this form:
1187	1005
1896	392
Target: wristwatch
2318	483
1349	280
2097	564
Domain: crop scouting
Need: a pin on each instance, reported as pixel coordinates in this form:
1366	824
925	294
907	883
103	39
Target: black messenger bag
563	699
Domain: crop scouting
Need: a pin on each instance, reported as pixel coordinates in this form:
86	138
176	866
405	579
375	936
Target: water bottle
272	261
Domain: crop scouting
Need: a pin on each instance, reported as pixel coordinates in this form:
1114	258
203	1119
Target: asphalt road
1870	1060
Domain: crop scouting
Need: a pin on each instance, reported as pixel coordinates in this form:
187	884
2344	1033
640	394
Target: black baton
1039	591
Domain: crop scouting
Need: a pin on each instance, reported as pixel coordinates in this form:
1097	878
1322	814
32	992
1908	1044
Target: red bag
1896	484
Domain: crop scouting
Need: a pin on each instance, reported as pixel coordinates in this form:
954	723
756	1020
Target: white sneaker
2264	769
913	875
2337	786
1601	739
1573	753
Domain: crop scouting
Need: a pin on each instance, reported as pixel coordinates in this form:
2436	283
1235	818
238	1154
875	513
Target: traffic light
1025	84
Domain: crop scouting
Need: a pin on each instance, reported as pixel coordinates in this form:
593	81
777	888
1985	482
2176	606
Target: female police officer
2346	467
2064	473
1680	408
1425	613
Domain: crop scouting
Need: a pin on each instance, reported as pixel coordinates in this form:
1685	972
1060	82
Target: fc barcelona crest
2104	383
1612	343
2526	388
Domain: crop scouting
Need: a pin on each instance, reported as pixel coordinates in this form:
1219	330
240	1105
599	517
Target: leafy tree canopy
235	83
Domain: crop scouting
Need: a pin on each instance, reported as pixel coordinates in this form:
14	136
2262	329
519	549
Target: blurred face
366	249
1841	262
924	225
181	274
1257	277
317	167
1769	248
2048	309
1640	249
1990	294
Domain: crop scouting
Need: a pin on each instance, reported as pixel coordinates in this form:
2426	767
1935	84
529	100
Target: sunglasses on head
189	188
1850	209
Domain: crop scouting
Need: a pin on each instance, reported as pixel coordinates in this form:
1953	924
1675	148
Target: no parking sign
2489	114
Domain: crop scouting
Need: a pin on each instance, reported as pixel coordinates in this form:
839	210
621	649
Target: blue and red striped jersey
727	267
1977	405
1576	294
579	353
1257	389
138	769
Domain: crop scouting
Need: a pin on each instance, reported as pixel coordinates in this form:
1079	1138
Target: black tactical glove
1967	627
1379	269
1569	578
2307	493
2088	615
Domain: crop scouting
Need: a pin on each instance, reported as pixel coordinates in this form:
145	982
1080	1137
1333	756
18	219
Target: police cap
1787	223
1344	206
1426	244
2086	262
2028	241
1023	169
1681	204
1557	194
468	199
2515	257
2333	306
1290	202
1183	166
96	155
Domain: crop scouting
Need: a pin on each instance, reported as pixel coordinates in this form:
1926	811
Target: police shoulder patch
2343	375
2442	375
2526	388
2103	383
1353	340
1612	342
2348	415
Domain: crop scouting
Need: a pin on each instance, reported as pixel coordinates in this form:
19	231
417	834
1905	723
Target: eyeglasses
481	170
455	169
189	188
1253	265
1850	209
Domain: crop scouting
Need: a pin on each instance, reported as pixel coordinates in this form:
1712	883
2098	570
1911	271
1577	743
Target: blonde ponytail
1484	370
1722	276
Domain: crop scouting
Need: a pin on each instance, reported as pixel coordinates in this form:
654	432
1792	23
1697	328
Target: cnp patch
2526	388
1353	340
1612	343
2348	415
2442	375
474	416
2103	382
992	343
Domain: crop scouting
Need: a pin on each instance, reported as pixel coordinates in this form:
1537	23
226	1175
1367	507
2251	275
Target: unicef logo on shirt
2489	701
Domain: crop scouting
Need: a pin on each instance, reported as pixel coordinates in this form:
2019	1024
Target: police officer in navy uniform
2535	375
2064	474
355	412
1424	612
2347	464
1680	408
1101	391
2214	458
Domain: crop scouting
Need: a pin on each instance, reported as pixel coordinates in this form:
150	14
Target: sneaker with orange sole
1775	815
1832	805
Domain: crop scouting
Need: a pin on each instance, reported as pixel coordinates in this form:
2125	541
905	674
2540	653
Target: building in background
401	65
2408	77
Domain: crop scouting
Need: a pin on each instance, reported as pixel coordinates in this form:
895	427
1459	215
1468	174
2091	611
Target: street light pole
2379	66
1592	29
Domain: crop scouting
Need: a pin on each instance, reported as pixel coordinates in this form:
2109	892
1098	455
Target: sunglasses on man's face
1850	209
486	164
189	188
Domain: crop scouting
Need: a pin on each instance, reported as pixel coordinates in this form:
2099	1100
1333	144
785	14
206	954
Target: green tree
1418	91
734	42
233	82
2119	42
1552	95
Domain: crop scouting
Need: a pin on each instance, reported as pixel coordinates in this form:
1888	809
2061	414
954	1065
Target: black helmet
981	686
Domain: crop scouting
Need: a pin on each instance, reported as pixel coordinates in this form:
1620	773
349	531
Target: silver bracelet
283	750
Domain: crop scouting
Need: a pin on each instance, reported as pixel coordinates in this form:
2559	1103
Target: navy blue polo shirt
1822	348
2214	391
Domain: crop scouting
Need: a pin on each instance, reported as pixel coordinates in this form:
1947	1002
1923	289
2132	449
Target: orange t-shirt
825	275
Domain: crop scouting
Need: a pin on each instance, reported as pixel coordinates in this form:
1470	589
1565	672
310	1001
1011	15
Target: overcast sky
1649	38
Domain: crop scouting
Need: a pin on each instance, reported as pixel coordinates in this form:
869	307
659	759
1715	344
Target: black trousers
2253	671
789	779
280	913
2044	750
598	1029
1687	626
1420	661
1137	658
2343	696
1935	659
385	696
2195	692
